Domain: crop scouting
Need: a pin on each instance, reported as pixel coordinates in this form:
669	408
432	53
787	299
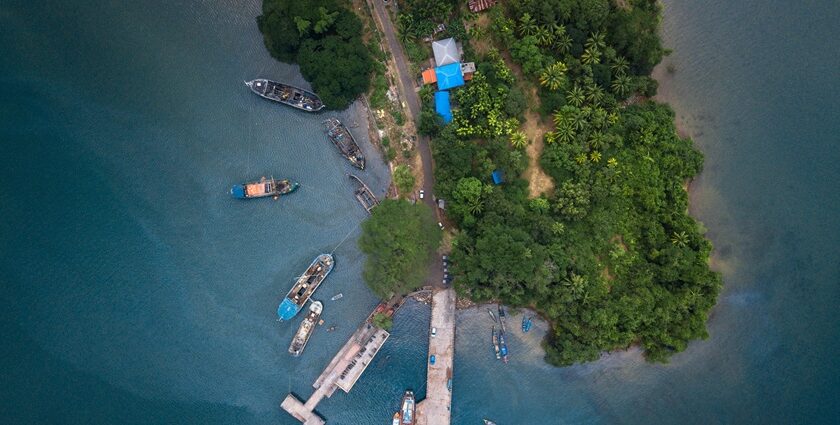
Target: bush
403	179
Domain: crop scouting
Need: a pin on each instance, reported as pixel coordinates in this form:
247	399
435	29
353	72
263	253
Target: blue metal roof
238	191
497	177
287	310
449	76
442	106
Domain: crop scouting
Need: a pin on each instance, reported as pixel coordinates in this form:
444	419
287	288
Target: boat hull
305	286
263	188
344	141
306	329
295	97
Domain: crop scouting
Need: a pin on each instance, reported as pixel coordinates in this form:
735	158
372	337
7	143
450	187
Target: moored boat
492	316
407	409
496	343
364	194
307	327
526	324
341	137
503	350
288	95
337	296
396	420
263	188
305	286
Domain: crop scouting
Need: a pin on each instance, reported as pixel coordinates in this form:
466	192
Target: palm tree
595	156
597	140
544	36
680	239
565	133
527	25
597	40
612	162
620	65
612	118
550	137
563	42
581	158
519	140
594	94
475	207
575	96
590	56
553	76
621	85
578	121
575	283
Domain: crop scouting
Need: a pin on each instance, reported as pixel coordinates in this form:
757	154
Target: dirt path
538	181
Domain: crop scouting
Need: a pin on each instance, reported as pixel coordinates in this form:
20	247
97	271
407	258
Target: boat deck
364	195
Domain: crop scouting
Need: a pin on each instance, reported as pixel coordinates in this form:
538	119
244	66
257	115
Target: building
446	52
449	76
479	5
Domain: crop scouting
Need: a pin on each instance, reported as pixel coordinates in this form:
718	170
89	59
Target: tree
382	321
621	85
553	76
519	140
620	65
595	156
575	96
399	239
403	179
527	25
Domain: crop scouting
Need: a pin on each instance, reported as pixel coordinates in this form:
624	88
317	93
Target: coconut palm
550	137
553	76
590	56
621	85
527	25
680	239
544	36
595	156
565	133
563	42
620	65
575	96
597	140
519	140
596	41
612	118
475	207
581	158
575	283
594	93
612	162
578	121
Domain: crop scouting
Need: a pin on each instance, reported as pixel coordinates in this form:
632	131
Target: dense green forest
324	38
399	240
610	257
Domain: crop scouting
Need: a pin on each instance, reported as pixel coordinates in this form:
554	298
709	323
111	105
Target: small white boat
337	296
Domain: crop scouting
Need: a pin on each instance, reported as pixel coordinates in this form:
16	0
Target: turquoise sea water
135	290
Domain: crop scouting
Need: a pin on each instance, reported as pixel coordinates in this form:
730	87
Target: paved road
412	100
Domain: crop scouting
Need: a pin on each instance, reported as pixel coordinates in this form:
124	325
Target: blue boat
526	324
305	286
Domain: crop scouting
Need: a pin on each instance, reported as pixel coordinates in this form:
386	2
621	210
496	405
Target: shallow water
137	291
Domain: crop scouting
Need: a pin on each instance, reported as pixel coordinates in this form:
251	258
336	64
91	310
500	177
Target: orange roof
468	76
429	76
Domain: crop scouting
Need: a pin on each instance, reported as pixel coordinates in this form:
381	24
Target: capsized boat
307	327
526	324
407	409
288	95
305	286
263	188
496	343
341	137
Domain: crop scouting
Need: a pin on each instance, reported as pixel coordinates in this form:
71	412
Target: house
446	52
449	76
442	106
467	70
479	5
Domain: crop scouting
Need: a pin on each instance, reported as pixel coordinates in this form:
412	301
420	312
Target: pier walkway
435	408
342	372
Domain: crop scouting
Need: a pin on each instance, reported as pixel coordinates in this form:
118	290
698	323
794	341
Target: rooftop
446	52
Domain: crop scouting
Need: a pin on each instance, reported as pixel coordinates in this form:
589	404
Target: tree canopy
324	37
610	257
399	240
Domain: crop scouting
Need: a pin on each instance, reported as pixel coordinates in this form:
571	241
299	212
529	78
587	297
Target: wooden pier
342	372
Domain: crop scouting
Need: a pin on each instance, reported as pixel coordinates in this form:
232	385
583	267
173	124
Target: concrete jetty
435	408
342	372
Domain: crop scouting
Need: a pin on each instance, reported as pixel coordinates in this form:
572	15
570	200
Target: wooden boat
307	327
288	95
341	137
263	188
364	194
